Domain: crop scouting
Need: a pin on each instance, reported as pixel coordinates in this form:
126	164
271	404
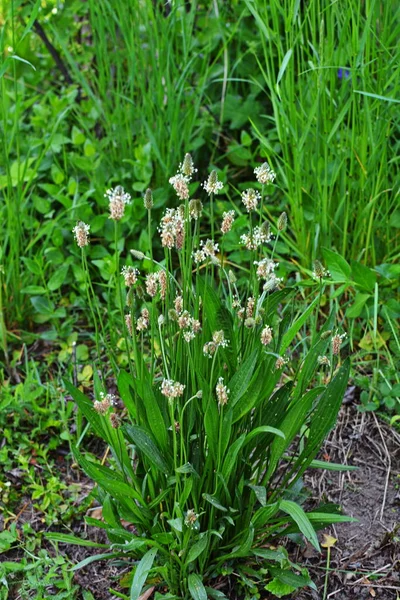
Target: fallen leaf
329	541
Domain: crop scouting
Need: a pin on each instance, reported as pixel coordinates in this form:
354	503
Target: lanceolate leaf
145	444
323	418
290	426
296	326
197	549
196	587
300	518
141	573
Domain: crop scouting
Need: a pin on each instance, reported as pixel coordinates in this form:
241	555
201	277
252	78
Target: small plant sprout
81	233
117	199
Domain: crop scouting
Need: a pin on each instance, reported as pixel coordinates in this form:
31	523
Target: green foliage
213	437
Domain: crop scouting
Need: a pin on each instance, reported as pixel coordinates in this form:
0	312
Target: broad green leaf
196	587
141	573
355	309
147	446
58	278
302	521
363	276
339	268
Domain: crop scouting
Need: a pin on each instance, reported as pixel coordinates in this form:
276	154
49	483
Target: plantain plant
222	413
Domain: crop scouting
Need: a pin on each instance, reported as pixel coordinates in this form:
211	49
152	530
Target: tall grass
331	73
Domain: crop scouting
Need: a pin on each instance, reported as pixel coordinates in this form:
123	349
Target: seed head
180	184
271	282
209	349
281	362
266	336
324	360
117	198
265	267
250	323
264	173
227	221
191	518
143	321
81	233
250	306
172	389
222	392
148	199
130	275
282	222
250	199
152	284
162	280
212	185
114	420
128	323
178	303
253	240
219	339
336	343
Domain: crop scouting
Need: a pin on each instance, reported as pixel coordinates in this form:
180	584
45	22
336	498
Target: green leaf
214	501
58	278
260	492
355	309
147	446
300	518
90	559
231	457
328	466
296	326
339	268
43	305
197	549
363	276
64	538
141	573
263	429
284	64
196	587
241	379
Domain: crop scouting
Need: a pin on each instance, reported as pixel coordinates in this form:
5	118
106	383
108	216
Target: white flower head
264	173
213	185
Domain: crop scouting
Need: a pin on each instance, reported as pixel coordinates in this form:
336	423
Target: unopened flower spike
187	167
148	199
319	272
282	222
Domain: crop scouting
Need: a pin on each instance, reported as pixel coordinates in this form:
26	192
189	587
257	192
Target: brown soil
365	560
